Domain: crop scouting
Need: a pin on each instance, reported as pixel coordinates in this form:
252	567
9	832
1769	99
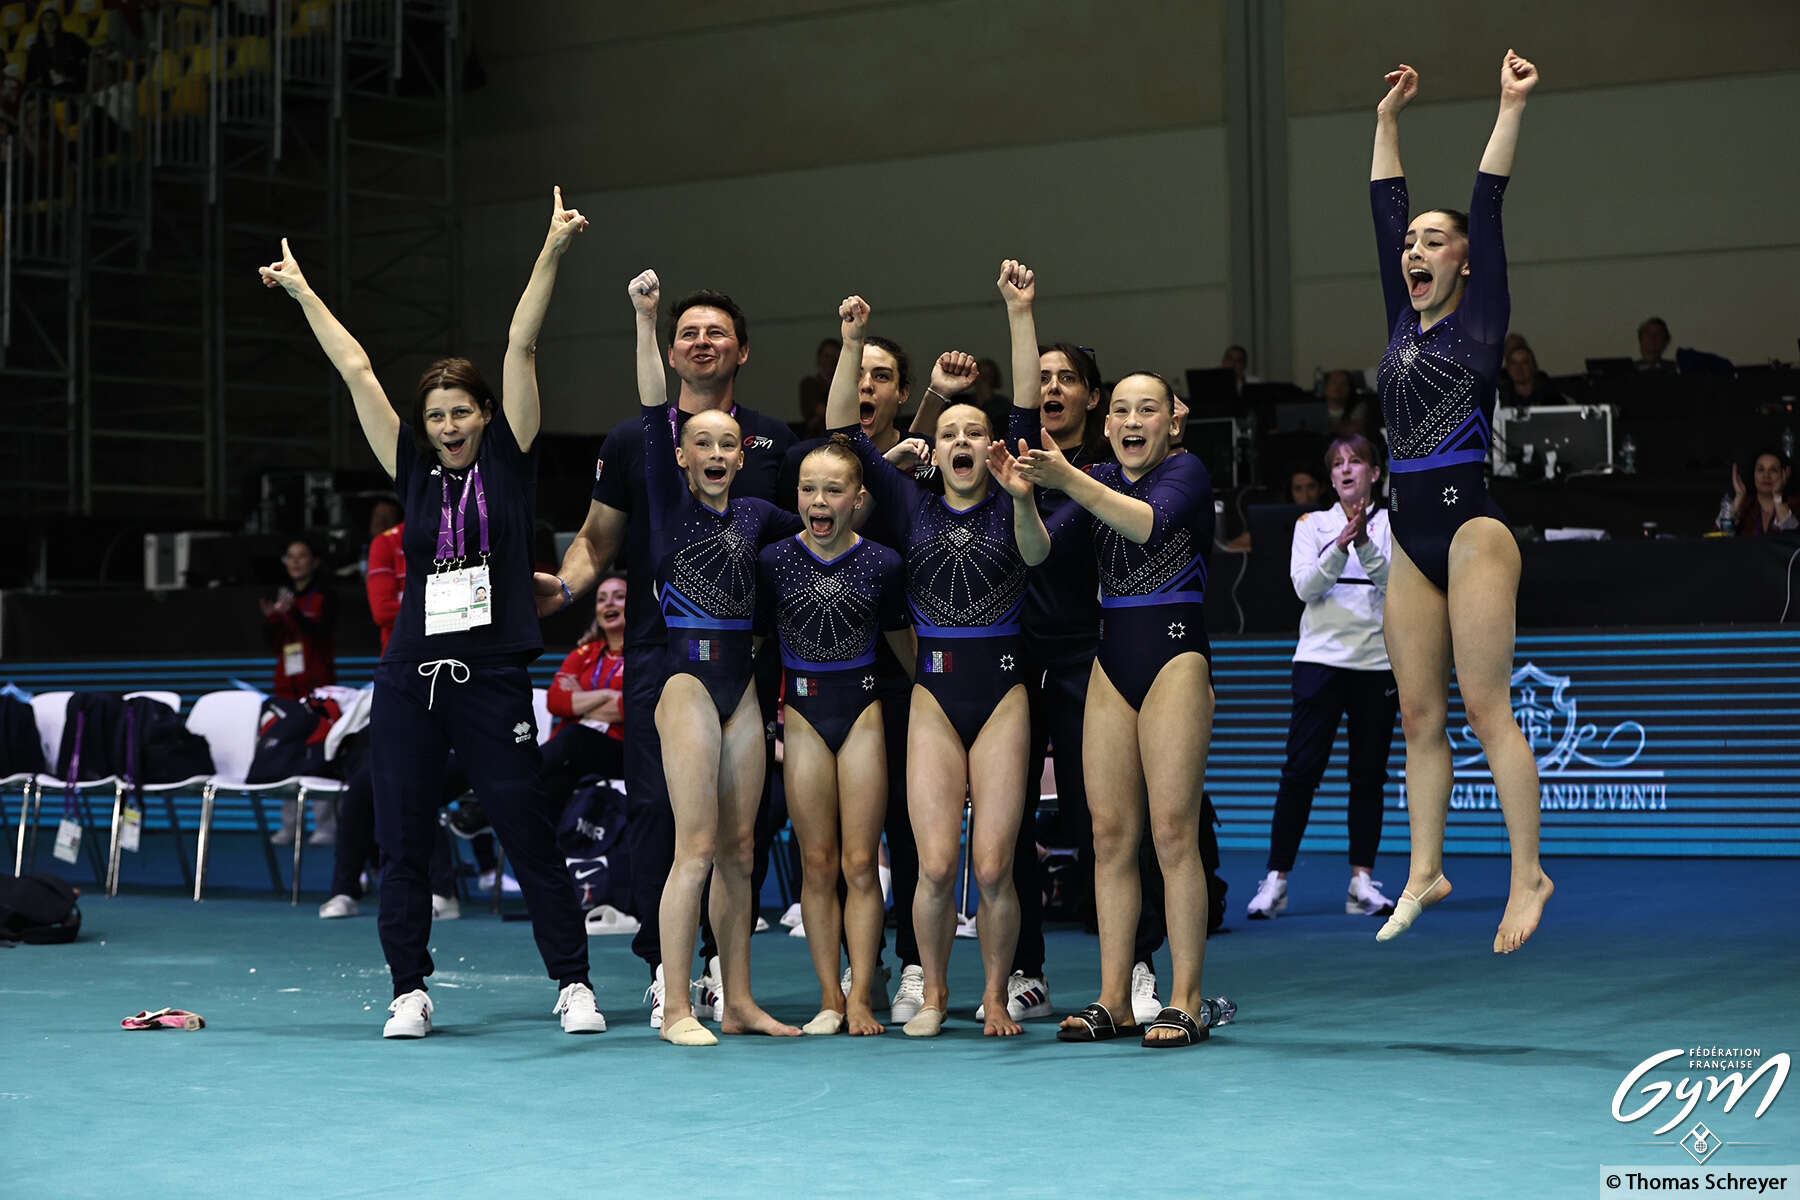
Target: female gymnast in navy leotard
705	544
830	595
1148	720
966	553
1453	587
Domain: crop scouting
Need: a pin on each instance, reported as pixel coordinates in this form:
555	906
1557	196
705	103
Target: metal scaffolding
141	369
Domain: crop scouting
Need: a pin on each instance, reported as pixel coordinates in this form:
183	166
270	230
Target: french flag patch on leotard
702	650
805	687
939	662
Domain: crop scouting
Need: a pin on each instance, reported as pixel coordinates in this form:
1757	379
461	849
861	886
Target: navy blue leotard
705	564
965	584
1437	387
829	616
1152	596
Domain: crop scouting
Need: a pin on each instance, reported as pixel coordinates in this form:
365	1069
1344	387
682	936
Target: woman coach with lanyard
467	629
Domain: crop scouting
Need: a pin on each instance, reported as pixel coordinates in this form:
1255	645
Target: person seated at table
1522	384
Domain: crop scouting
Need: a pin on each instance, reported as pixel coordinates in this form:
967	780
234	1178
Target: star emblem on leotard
868	683
1449	496
1177	629
1006	662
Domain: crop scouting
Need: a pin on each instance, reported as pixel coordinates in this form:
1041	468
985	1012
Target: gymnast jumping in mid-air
1453	587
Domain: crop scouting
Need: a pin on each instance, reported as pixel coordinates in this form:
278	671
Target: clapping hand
1007	470
1047	467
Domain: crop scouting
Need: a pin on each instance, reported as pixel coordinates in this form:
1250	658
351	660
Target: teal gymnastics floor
1424	1067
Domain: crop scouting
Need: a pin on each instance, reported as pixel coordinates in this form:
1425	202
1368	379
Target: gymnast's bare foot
998	1022
750	1018
862	1020
1524	908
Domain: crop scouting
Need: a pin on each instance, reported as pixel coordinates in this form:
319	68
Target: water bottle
1727	517
1549	464
1214	1013
1628	455
1787	442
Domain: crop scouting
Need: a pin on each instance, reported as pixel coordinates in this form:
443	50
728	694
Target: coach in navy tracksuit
454	674
709	339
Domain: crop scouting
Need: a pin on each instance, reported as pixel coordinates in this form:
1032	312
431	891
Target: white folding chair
51	711
228	722
116	853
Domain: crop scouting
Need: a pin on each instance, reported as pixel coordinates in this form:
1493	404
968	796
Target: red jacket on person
386	580
588	668
305	642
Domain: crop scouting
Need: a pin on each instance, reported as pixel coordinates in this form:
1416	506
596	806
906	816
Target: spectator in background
814	387
1305	488
300	624
386	576
1764	509
588	700
1346	411
1653	343
57	59
1236	359
1522	385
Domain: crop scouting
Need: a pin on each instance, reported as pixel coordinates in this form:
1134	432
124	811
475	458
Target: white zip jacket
1345	593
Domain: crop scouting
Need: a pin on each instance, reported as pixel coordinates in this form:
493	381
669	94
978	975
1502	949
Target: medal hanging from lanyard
457	596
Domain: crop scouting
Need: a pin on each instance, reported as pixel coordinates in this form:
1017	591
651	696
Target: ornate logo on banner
1544	707
1579	768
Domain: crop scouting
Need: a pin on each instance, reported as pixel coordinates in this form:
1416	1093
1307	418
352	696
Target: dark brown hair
1459	220
1359	447
1168	391
449	373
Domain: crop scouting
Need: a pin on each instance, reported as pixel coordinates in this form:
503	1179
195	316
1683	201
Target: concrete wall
789	151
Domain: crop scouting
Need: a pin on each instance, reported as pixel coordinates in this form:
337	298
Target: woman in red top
301	625
588	700
386	580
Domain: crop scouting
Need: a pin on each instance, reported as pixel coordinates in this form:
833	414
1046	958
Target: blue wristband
568	596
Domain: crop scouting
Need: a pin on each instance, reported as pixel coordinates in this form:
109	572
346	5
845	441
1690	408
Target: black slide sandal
1100	1026
1192	1031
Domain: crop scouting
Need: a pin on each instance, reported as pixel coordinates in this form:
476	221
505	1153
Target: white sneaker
709	992
791	917
575	1003
797	929
878	993
446	908
412	1015
605	919
1270	898
1027	998
321	837
653	995
1145	1003
1365	899
761	926
909	998
339	905
282	837
508	885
